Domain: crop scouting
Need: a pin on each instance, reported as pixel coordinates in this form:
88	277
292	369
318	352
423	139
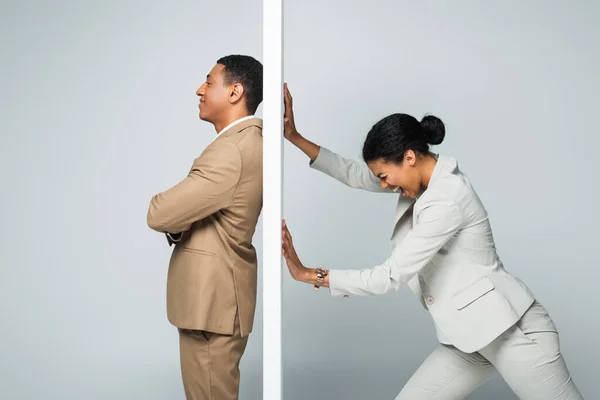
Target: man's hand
176	237
169	240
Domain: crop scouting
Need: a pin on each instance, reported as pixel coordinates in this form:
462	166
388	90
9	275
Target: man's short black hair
249	73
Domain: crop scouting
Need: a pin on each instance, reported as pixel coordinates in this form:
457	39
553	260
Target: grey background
517	85
99	113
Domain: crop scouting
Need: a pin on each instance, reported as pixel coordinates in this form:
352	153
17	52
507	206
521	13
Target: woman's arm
437	223
349	172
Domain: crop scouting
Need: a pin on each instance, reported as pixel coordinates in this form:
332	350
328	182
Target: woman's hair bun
433	129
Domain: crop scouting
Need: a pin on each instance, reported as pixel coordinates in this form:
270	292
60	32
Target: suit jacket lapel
403	219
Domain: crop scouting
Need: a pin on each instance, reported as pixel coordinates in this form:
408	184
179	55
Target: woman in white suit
487	320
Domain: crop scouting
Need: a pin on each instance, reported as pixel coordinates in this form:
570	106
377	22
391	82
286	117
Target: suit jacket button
430	300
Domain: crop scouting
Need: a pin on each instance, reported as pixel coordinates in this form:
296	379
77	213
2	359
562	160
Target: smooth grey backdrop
517	85
99	113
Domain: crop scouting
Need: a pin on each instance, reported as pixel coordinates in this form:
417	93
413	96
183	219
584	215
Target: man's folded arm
208	188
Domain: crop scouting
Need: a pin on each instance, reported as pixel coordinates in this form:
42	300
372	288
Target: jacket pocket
474	291
198	251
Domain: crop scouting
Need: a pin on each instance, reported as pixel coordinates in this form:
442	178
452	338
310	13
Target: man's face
214	95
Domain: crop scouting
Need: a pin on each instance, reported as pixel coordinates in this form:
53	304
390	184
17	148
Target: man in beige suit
211	217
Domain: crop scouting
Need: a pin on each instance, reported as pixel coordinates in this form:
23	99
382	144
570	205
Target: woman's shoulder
448	176
445	191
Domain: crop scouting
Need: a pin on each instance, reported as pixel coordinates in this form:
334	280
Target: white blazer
443	248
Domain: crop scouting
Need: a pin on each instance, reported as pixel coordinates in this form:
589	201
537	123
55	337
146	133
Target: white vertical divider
272	197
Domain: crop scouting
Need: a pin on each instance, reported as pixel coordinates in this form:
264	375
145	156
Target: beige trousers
210	363
527	356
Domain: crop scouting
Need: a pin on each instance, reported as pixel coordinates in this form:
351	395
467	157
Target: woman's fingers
289	251
286	233
287	100
288	115
287	246
286	242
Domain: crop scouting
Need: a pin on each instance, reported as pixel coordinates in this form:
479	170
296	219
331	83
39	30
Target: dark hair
249	73
390	138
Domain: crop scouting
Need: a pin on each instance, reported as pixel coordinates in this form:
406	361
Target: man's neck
220	125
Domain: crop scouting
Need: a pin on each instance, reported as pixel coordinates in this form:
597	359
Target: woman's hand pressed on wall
289	128
298	271
289	125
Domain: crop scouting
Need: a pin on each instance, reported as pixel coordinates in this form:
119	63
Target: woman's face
403	177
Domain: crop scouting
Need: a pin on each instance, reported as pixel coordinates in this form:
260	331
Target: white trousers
527	356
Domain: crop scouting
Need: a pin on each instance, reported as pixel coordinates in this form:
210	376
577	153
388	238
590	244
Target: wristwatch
321	274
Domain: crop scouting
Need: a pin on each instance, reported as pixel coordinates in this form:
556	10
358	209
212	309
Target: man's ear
236	92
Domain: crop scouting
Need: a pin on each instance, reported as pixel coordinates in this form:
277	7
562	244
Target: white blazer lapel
403	220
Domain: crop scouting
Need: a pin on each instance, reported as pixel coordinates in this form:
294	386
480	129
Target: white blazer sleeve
436	223
349	172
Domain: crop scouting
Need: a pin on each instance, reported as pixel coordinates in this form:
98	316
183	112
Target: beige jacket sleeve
208	188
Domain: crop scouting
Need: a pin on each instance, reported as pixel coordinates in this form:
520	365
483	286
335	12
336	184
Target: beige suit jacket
213	268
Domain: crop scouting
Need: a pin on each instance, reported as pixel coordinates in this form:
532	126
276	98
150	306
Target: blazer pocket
474	291
198	251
